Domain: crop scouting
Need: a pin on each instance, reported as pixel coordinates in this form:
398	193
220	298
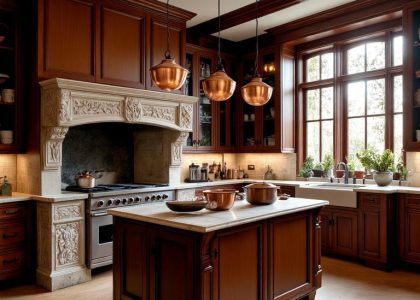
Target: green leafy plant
353	163
377	162
328	162
401	168
308	165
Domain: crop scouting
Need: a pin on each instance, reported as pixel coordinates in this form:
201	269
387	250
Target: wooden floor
341	280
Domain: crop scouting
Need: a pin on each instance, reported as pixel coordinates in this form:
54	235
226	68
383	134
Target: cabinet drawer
12	233
413	201
371	200
11	261
11	212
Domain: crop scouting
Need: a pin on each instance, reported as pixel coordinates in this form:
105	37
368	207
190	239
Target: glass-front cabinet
260	130
214	122
411	67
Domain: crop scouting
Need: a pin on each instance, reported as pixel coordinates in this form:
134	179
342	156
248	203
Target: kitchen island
247	252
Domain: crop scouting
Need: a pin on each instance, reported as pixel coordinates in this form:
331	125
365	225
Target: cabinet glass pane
222	123
205	105
8	113
188	89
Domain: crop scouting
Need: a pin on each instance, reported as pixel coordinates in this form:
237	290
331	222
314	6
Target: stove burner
111	187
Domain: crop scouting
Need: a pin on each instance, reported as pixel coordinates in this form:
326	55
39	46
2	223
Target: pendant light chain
168	52
219	62
256	36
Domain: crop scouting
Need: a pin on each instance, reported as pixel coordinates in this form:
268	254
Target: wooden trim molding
157	6
338	17
241	15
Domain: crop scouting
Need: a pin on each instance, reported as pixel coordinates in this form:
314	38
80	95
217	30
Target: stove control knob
100	203
131	200
165	196
124	201
147	198
109	202
137	199
153	197
117	202
158	197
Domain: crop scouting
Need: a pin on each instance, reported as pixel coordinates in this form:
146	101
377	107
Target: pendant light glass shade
168	75
219	86
256	92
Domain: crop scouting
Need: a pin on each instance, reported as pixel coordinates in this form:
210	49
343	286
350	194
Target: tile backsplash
8	168
283	165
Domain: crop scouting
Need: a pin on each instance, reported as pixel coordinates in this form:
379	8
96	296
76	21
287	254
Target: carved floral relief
186	116
133	109
67	243
95	107
159	112
67	212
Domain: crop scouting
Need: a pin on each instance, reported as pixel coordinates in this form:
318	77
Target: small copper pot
220	199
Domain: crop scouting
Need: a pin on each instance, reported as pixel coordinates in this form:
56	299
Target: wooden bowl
186	206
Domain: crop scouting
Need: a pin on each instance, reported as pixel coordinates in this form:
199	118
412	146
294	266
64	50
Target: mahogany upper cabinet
107	41
66	31
269	128
214	123
411	23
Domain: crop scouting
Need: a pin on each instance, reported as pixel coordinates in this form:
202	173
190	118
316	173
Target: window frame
339	82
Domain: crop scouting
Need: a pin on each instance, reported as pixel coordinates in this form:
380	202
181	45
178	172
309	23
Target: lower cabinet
377	223
339	231
16	243
409	228
277	258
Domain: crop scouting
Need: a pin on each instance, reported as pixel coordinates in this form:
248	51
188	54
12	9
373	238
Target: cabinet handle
216	253
11	211
9	235
10	261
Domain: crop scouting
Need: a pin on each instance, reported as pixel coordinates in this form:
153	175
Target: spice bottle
6	188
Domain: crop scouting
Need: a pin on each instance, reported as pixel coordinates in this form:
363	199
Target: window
361	100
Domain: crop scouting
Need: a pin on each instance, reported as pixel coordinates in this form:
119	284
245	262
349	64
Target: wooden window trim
339	81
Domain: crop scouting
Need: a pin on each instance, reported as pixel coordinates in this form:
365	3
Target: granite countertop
205	220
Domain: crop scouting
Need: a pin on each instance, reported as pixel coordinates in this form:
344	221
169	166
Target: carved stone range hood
66	103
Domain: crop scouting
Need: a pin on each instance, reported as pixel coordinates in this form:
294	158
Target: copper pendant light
256	92
219	86
168	75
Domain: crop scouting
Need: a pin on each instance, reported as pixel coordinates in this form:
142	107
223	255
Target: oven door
101	235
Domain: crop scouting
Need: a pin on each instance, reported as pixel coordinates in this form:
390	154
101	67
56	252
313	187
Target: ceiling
207	10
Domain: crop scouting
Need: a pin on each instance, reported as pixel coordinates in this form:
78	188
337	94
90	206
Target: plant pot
359	174
318	173
382	178
339	173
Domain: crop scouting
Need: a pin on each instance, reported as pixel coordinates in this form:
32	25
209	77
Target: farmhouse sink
337	194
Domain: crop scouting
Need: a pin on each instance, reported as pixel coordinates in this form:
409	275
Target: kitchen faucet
346	171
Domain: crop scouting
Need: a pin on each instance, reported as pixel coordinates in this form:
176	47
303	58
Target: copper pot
261	193
220	199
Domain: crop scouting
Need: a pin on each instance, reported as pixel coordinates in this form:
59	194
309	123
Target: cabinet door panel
290	248
238	267
345	233
326	244
122	44
370	234
67	39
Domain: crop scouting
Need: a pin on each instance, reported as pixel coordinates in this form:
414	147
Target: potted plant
306	170
328	165
381	164
401	171
355	167
318	169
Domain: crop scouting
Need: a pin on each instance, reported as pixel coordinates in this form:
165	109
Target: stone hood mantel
66	103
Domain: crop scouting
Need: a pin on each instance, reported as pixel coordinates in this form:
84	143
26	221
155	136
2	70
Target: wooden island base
274	258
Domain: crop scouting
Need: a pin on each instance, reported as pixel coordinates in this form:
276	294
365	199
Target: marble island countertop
205	220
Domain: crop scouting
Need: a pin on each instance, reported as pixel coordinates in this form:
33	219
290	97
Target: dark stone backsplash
104	146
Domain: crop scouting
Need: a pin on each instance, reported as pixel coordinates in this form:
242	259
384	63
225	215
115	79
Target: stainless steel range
99	231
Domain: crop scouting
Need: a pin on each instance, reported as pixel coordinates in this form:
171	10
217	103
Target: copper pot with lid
261	193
